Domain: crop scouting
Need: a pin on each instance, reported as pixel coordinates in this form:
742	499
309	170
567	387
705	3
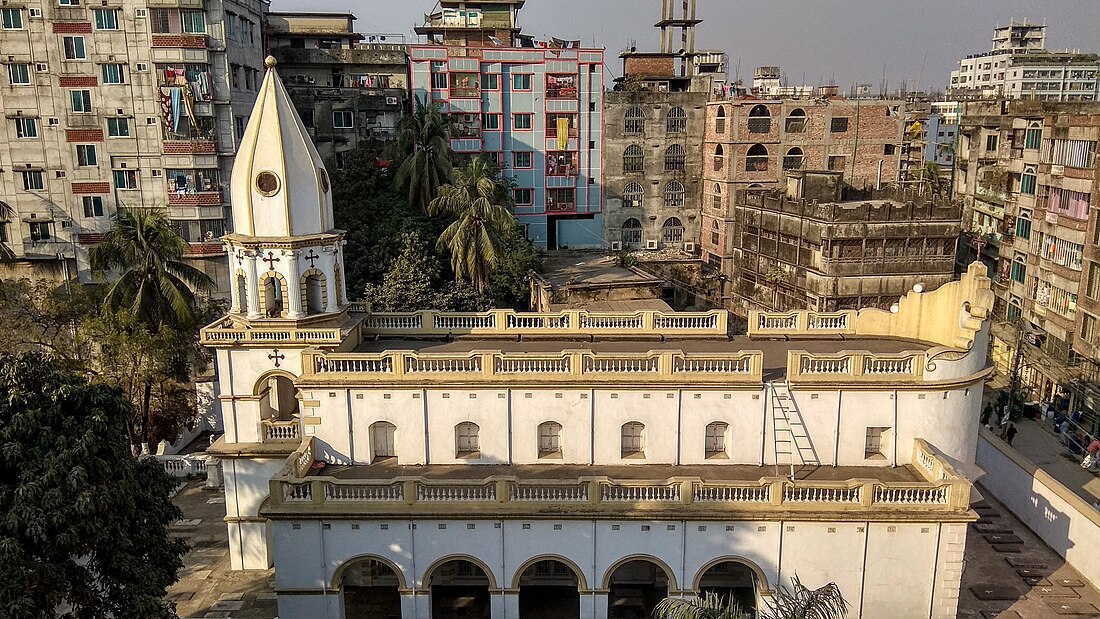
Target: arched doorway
459	590
731	579
548	589
631	234
370	589
278	401
636	587
315	294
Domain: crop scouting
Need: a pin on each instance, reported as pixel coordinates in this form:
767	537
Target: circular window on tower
323	176
267	183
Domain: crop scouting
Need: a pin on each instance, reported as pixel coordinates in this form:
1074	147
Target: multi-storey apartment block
430	464
1028	176
122	105
1020	67
809	248
349	92
538	111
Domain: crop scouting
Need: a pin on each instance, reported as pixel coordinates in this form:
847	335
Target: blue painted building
538	111
939	135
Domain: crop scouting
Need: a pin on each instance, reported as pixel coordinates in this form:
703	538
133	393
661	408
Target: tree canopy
83	524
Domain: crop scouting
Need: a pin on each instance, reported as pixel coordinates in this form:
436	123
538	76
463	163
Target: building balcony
561	207
180	40
203	250
276	431
198	146
929	485
200	198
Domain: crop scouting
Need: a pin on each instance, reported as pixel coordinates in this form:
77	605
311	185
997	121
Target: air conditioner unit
616	245
391	100
1057	170
651	244
689	248
35	12
139	13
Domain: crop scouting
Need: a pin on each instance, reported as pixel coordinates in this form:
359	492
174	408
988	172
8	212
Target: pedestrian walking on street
1010	433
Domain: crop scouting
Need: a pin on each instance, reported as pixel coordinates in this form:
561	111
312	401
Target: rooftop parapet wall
878	206
943	491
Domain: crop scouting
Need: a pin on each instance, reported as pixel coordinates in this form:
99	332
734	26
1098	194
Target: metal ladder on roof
792	441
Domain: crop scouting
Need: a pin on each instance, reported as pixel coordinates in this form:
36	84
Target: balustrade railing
855	365
669	366
764	324
579	322
239	334
281	431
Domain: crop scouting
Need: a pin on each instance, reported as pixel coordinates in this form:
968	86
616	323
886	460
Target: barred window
760	119
674	195
796	121
716	194
794	159
632	195
720	120
676	120
634	159
672	231
757	159
635	121
631	233
675	158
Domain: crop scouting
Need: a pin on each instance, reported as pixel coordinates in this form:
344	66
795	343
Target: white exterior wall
675	423
240	371
862	558
246	487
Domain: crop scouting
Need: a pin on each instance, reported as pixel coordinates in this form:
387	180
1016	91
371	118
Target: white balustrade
465	321
911	496
816	365
383	365
442	365
222	336
818	494
364	492
771	322
549	493
712	365
269	336
619	323
732	494
395	322
183	466
620	365
633	493
676	322
827	322
454	492
317	335
879	365
521	365
298	492
280	430
925	461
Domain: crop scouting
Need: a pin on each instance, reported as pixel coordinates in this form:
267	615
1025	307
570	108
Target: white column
253	289
599	604
294	285
234	289
408	605
496	605
511	605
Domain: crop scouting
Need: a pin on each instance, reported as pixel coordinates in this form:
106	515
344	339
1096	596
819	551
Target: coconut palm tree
154	285
799	602
476	199
423	142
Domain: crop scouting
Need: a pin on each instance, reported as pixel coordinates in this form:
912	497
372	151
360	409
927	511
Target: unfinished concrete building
350	90
121	105
808	247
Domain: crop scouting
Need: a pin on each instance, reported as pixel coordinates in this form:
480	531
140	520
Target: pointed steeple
280	187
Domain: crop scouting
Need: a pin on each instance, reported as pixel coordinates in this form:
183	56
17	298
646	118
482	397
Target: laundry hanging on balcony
563	132
174	102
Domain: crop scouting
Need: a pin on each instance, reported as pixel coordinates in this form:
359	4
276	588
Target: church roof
280	187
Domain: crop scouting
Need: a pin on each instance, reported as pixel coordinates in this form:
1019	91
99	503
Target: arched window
672	232
794	159
796	121
715	232
675	158
1033	139
757	159
674	195
1014	309
467	442
635	121
715	441
632	440
720	120
632	195
383	434
314	289
631	234
1027	181
633	159
676	120
760	119
717	196
550	439
719	158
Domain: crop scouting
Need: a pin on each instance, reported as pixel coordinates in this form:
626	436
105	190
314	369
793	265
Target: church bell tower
284	252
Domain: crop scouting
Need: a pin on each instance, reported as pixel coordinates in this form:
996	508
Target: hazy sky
850	40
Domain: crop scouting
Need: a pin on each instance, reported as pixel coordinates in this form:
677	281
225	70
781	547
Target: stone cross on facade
312	257
271	260
276	356
240	257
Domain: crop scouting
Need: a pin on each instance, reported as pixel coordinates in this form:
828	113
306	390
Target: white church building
509	465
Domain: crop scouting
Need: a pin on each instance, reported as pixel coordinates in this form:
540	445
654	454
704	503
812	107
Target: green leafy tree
42	316
154	284
511	285
476	199
799	602
424	148
415	282
8	213
84	525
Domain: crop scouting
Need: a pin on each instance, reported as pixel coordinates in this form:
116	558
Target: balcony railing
282	431
942	491
222	334
569	322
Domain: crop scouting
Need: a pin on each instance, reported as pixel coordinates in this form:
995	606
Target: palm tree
423	142
797	603
476	199
154	285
